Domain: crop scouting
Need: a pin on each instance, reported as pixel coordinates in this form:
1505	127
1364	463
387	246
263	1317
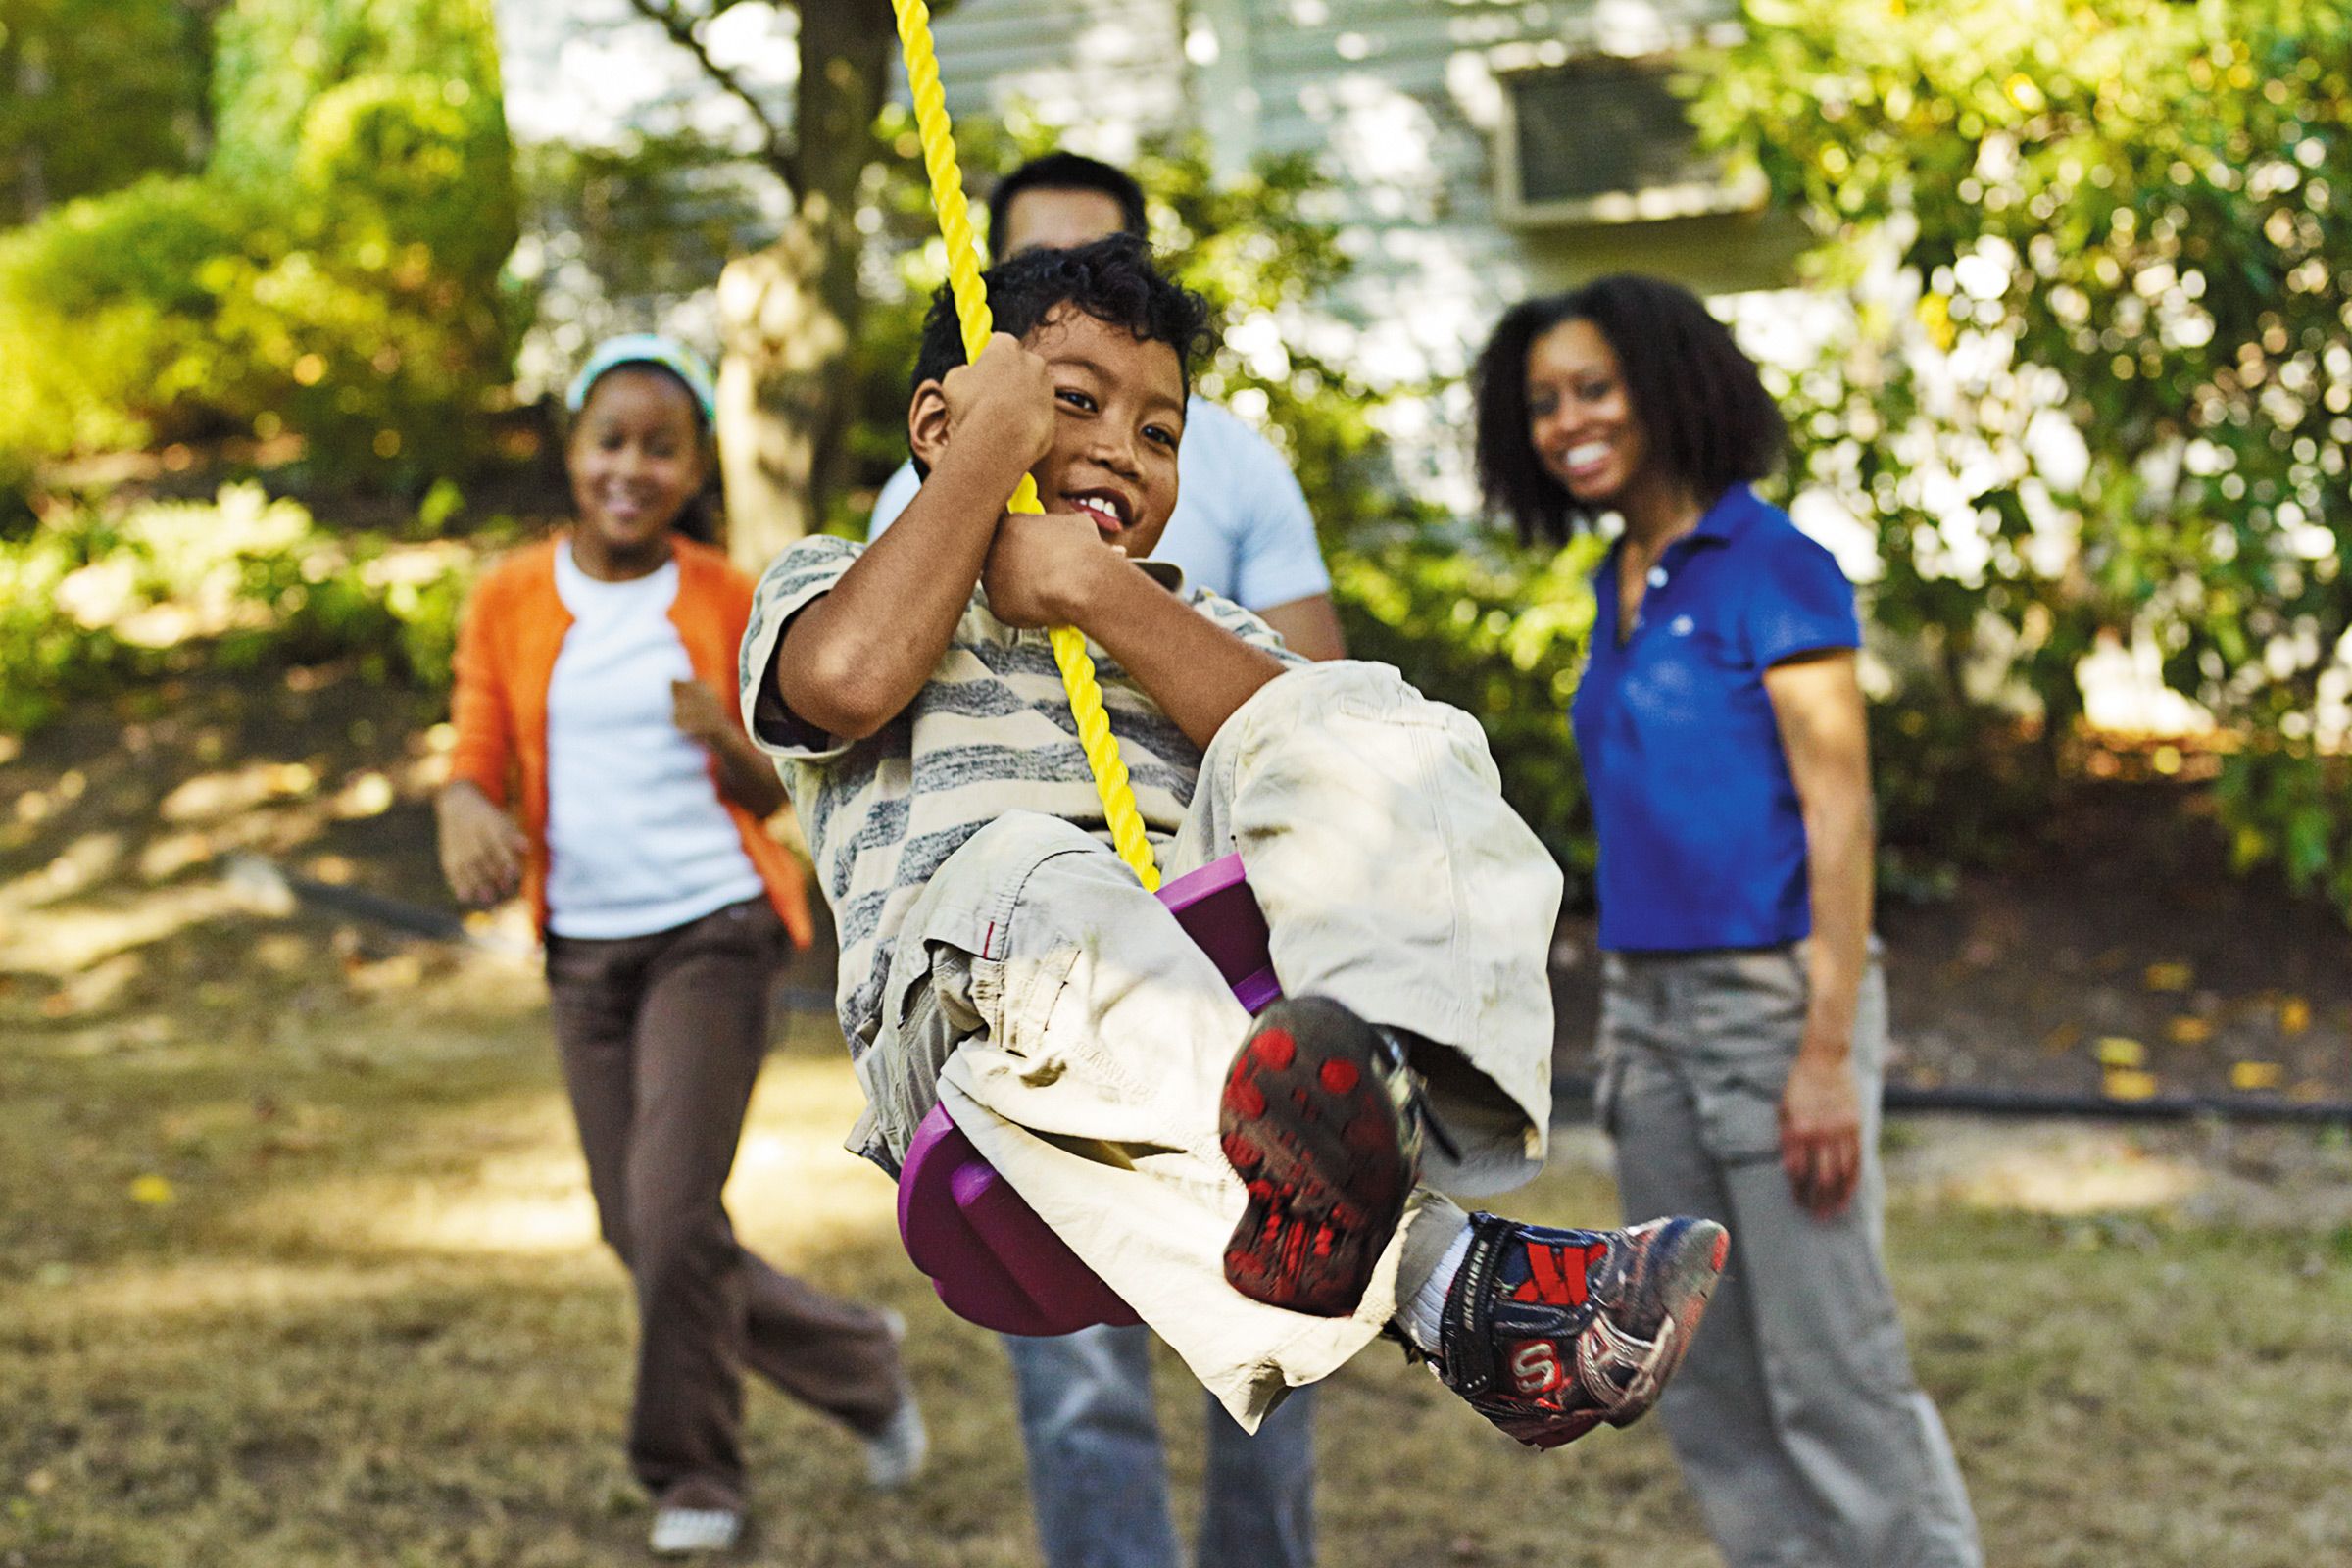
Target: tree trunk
32	81
789	313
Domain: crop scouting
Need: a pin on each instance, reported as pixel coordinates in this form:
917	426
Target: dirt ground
297	1267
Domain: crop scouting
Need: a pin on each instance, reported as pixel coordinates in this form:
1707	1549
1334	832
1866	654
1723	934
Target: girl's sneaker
894	1455
1323	1124
1550	1333
683	1530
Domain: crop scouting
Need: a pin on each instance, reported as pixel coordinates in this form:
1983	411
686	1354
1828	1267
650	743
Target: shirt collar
1728	515
1716	526
1167	574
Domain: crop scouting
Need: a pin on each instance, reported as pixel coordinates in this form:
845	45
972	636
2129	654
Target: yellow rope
971	312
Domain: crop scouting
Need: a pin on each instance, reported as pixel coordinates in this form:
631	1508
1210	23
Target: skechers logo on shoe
1536	1368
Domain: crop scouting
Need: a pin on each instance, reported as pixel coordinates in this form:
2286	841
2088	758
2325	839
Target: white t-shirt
1241	527
637	839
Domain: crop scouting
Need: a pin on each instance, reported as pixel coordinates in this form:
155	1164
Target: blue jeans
1097	1483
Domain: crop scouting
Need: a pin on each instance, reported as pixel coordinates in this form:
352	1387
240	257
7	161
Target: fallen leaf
2189	1030
2124	1084
2251	1075
152	1189
2062	1038
2115	1050
2168	977
2295	1015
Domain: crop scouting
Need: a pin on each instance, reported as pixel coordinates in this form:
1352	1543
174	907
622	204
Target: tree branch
666	15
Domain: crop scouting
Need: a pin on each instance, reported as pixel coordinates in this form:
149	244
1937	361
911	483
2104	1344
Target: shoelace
1417	1093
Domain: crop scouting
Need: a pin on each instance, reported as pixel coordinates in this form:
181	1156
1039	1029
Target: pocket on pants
1746	1019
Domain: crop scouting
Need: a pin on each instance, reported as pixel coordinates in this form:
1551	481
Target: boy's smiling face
1118	404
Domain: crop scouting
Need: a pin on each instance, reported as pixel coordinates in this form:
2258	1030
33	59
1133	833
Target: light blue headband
645	348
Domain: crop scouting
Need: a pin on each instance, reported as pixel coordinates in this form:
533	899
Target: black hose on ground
2040	1104
1571	1093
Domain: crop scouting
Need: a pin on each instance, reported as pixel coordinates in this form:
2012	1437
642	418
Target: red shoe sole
1309	1127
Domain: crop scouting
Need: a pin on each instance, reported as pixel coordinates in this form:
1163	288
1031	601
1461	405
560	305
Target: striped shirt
990	732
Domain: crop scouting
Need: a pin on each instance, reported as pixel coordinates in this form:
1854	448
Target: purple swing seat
991	1260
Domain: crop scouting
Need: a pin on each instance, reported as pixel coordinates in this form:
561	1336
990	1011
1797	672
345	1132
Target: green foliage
334	274
656	217
106	323
108	596
93	95
2285	806
1497	633
278	58
2108	395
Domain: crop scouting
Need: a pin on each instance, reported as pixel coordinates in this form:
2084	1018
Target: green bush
98	93
335	272
2103	392
107	596
106	323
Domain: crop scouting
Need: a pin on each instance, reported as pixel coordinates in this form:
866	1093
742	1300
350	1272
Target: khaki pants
661	1038
1797	1419
1080	1040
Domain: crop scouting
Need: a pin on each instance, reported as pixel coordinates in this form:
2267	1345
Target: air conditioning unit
1595	139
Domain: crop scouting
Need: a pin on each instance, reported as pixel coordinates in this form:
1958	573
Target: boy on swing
1258	1192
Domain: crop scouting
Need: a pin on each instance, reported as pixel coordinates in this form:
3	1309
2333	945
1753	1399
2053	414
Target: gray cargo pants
1797	1419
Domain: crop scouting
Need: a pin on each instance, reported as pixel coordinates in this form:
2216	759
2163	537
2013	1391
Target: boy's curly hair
1114	280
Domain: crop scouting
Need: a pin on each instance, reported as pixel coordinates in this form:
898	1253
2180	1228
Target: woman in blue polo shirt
1744	1016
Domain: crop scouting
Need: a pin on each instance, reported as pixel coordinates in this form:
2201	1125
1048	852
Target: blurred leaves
95	94
102	597
2103	390
333	274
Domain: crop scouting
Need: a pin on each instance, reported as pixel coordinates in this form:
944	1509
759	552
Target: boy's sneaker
1323	1124
1550	1333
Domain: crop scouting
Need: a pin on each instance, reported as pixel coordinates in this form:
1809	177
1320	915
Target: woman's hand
482	847
1821	1129
698	714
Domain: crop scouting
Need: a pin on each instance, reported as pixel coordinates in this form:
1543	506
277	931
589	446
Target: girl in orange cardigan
588	673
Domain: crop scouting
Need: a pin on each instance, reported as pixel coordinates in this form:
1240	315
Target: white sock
1424	1316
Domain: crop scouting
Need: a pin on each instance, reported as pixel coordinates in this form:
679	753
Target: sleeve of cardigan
734	604
479	710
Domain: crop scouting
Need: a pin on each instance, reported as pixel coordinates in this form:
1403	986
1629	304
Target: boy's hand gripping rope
972	313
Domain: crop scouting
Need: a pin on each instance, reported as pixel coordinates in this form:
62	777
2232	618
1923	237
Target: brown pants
661	1038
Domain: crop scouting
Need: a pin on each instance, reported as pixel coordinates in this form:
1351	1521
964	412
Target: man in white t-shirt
1098	1481
1241	527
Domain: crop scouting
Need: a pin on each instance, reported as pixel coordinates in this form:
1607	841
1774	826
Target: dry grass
371	1325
